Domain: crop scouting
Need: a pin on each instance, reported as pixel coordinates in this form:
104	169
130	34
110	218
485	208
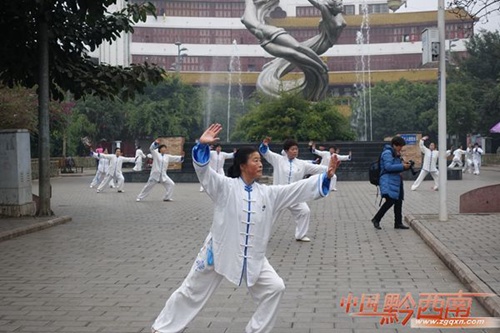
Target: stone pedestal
15	176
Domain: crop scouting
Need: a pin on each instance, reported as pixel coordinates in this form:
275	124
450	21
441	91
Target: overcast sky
417	5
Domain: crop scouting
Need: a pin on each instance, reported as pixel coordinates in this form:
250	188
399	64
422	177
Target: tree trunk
65	142
44	188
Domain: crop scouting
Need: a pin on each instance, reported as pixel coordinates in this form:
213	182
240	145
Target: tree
476	8
291	116
18	108
105	118
168	109
47	46
402	107
461	111
480	71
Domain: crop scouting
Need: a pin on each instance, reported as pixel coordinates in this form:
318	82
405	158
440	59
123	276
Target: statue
290	53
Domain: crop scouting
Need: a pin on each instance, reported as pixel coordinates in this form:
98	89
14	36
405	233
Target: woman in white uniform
287	169
115	170
217	160
428	165
235	248
102	169
325	159
457	158
139	155
476	158
158	173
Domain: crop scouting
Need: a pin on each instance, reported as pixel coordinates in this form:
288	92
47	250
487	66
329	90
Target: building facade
199	37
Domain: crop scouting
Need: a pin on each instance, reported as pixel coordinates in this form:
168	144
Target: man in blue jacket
391	182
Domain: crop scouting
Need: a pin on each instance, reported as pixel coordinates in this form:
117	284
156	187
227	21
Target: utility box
16	198
430	45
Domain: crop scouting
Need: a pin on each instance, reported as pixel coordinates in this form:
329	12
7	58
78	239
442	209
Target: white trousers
467	166
118	180
98	178
302	216
202	281
454	163
333	183
476	165
167	183
421	177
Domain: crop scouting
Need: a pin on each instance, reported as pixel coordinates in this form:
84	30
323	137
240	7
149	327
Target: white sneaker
137	199
413	188
334	189
304	239
98	191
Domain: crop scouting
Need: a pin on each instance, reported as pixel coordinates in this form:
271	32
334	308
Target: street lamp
443	175
395	4
180	56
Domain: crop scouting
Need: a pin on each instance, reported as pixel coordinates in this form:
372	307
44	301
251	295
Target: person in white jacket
288	169
217	160
457	158
139	155
115	170
235	249
477	151
468	159
428	165
325	159
102	169
158	173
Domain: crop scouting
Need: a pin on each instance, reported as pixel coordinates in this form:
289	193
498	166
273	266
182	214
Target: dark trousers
398	207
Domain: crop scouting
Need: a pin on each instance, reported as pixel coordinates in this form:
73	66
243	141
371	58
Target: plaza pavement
111	268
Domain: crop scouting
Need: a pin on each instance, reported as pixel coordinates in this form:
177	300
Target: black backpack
374	172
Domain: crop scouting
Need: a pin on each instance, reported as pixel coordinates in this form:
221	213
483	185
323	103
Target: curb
461	270
6	235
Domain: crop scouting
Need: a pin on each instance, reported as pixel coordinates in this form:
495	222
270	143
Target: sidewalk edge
6	235
462	271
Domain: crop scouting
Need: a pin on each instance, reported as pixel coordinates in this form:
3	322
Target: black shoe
401	226
376	224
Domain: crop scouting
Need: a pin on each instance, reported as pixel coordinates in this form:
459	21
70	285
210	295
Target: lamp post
443	175
180	56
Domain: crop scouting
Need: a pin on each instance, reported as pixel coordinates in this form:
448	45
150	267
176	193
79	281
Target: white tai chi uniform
325	161
159	173
468	161
287	171
235	248
476	159
457	158
217	161
102	170
428	166
114	171
139	155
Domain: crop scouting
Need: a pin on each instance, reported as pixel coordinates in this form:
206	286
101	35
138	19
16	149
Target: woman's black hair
240	157
289	143
161	146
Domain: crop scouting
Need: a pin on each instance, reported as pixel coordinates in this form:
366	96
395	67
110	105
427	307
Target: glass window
349	9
